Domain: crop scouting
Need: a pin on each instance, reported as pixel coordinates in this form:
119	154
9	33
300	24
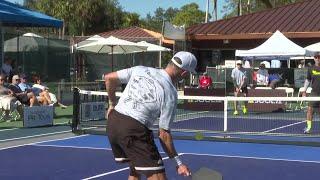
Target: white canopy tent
313	47
276	47
30	42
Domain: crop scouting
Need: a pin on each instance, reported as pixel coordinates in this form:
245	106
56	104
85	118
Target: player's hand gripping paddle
206	174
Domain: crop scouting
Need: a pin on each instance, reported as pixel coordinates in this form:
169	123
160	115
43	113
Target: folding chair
9	104
289	92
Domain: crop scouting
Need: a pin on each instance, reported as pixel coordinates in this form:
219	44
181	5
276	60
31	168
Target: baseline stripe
283	126
251	157
115	171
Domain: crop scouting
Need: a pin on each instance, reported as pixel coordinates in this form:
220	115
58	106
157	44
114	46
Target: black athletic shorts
314	104
133	142
244	90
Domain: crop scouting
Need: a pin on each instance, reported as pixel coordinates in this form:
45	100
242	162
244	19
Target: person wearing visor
313	78
150	94
239	77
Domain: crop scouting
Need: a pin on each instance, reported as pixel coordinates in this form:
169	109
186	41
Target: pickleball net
278	120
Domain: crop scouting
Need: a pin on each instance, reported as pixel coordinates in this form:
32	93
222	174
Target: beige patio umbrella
153	47
112	45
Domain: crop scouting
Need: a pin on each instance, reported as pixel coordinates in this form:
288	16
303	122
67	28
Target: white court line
38	135
19	128
115	171
249	157
75	147
8	129
43	142
284	126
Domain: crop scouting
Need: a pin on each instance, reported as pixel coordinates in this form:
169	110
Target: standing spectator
262	75
205	81
239	77
313	77
6	68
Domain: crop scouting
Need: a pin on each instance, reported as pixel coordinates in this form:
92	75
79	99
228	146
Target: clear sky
143	7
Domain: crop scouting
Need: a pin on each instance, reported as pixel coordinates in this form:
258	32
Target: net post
225	114
76	109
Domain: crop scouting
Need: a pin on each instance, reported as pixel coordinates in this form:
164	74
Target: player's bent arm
306	85
112	82
167	143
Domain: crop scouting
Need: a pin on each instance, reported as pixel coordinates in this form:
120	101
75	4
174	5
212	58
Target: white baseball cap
187	61
239	62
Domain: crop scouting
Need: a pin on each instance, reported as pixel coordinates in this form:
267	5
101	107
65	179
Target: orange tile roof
136	34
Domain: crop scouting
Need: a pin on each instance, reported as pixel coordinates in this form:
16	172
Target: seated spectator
27	98
274	79
205	81
7	100
262	75
23	83
42	90
42	98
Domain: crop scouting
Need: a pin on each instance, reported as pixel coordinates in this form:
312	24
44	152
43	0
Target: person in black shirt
313	77
27	98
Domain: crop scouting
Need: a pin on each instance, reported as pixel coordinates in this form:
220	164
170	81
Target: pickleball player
150	94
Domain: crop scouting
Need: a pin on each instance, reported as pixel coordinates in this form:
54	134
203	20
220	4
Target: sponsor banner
266	105
93	111
38	116
203	105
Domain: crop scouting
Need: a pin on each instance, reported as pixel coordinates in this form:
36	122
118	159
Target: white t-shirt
262	76
239	75
149	94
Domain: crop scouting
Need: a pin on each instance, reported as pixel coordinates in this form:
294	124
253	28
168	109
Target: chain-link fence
33	53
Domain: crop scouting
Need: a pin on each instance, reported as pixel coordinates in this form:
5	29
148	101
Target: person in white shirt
40	90
150	94
240	83
262	75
